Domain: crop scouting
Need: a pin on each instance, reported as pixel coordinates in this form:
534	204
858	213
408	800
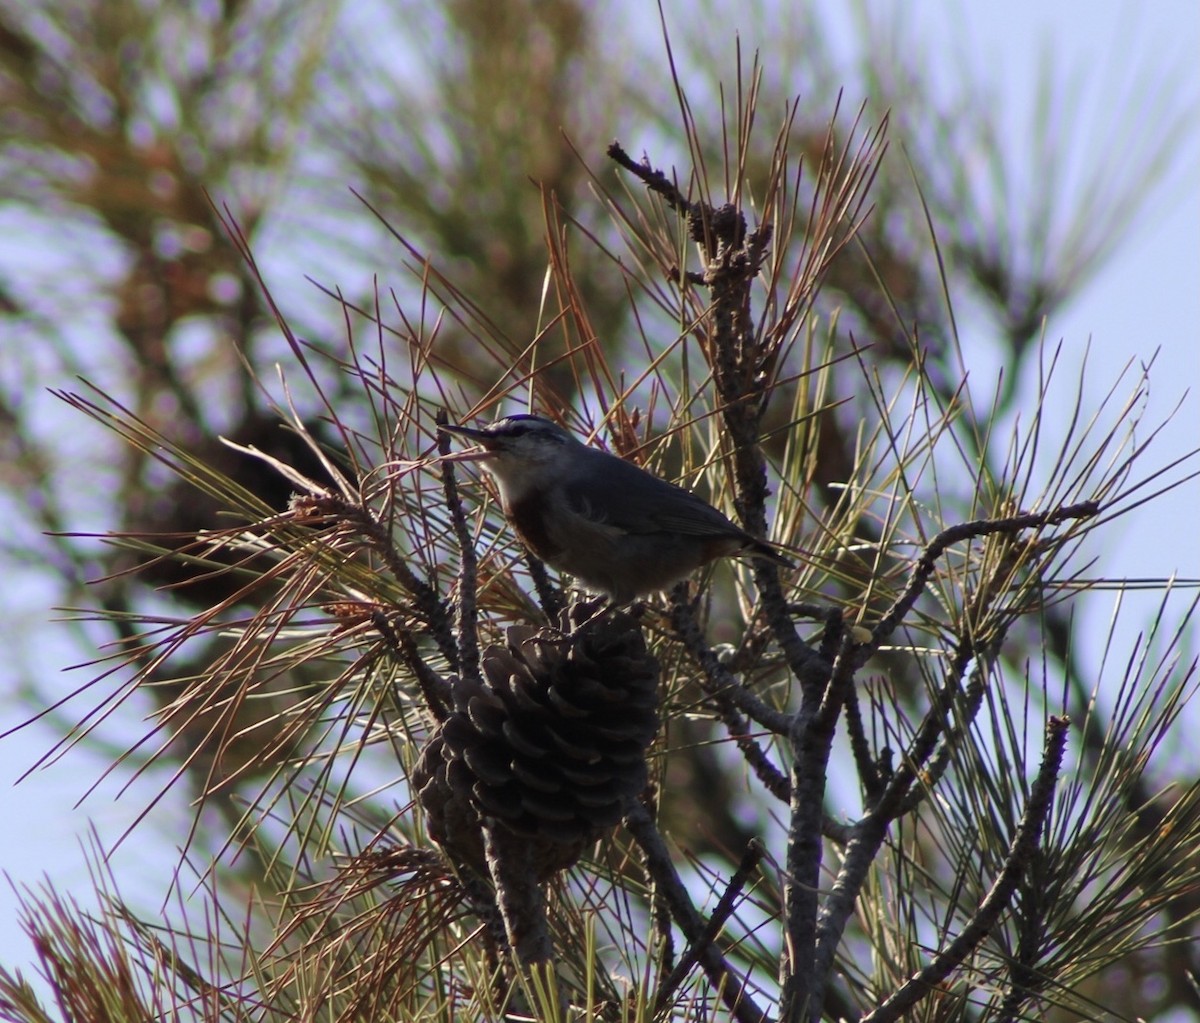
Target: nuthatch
618	529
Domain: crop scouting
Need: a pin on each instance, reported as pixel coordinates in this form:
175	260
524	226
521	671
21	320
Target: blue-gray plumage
618	529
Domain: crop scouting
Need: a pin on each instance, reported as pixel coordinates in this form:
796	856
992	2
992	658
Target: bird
619	530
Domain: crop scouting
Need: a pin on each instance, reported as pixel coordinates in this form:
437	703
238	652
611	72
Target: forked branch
1023	847
658	862
926	564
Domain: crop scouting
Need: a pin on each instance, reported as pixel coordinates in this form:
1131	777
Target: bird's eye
513	427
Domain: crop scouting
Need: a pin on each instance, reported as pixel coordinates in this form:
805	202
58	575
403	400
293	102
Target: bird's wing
624	497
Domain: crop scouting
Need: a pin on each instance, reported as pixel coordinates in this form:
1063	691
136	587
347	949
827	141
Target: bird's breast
527	518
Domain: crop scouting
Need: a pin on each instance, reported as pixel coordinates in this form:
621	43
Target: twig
831	635
831	640
941	759
860	851
898	796
733	353
930	732
1025	979
691	276
1024	846
772	778
426	601
965	531
519	896
481	897
757	245
812	670
817	612
811	740
439	697
467	612
664	940
717	681
549	596
655	180
864	761
868	833
723	910
721	976
735	358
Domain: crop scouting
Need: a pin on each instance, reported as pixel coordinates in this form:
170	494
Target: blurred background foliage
347	142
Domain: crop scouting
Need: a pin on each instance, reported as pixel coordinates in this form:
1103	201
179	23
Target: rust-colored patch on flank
722	547
530	525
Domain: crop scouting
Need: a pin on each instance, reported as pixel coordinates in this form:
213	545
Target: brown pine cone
552	744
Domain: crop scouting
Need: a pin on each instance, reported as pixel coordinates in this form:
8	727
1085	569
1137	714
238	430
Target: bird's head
522	452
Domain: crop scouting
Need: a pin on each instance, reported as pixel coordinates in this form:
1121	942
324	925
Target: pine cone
552	745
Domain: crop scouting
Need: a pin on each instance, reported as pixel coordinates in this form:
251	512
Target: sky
1146	298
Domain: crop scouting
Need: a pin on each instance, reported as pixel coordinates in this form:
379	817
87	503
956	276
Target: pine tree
427	782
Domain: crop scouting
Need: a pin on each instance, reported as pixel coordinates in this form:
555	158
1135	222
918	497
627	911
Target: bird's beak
470	433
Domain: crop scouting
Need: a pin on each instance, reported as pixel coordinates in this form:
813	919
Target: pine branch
1024	846
721	976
